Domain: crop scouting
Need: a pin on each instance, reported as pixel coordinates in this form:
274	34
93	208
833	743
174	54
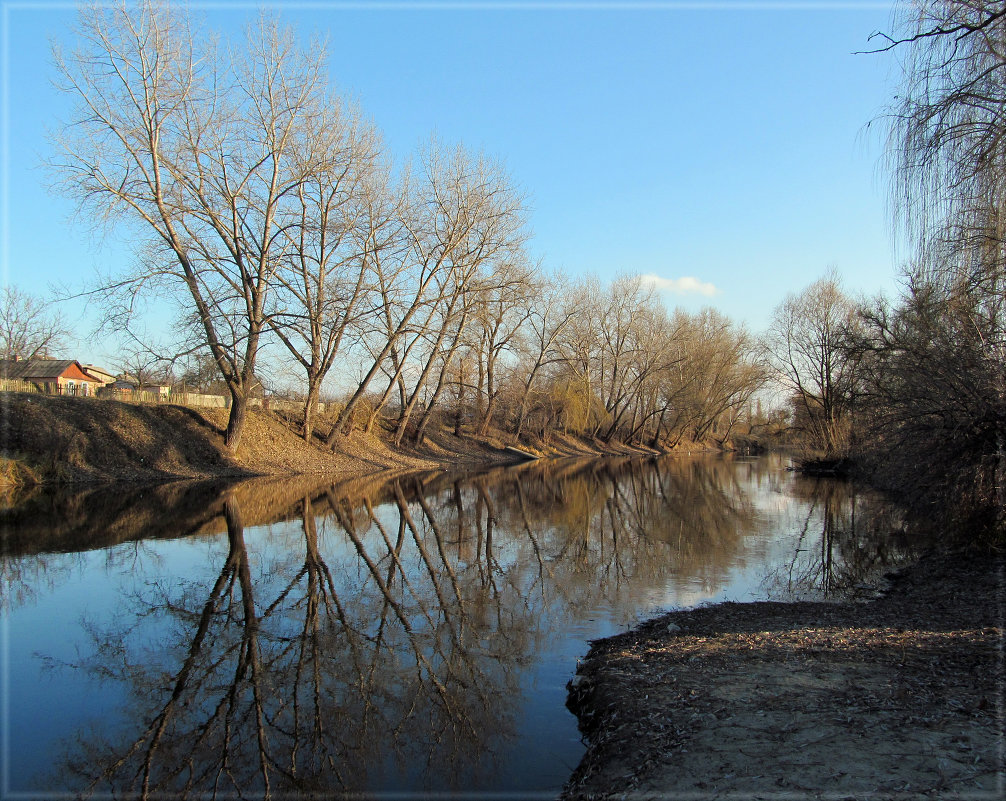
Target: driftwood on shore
521	453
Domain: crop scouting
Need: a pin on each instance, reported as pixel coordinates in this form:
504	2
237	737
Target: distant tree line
271	212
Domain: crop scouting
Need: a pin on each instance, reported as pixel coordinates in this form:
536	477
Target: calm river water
285	638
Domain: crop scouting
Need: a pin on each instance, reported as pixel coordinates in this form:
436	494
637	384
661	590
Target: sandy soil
898	697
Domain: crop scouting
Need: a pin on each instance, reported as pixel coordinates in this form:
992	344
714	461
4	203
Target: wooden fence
193	399
16	385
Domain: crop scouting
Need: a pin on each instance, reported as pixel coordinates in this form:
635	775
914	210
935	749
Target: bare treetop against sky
720	149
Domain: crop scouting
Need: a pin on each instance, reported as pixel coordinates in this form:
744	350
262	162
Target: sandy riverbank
898	697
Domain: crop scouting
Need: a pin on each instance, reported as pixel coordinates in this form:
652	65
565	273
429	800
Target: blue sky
724	142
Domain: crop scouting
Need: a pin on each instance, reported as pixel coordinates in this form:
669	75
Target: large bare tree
460	215
550	311
467	219
719	371
344	213
201	151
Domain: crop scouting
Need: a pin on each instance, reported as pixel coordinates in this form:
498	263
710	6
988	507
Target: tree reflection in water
847	537
380	637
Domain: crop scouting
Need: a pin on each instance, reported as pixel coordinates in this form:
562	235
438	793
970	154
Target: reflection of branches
255	705
357	637
449	667
792	581
395	552
22	578
439	541
853	533
320	594
485	535
139	762
544	572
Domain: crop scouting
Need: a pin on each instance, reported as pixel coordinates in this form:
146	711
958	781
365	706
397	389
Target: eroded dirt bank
899	697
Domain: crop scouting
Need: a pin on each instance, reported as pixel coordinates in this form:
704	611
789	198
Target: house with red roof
51	376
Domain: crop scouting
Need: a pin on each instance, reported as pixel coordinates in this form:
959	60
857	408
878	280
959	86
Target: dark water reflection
284	639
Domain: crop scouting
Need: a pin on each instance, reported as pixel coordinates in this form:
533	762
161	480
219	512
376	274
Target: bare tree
549	312
925	23
502	304
807	342
29	328
202	152
460	216
404	297
578	348
725	371
449	338
935	408
468	218
634	338
325	287
144	368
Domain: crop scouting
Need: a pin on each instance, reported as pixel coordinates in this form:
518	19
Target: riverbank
897	697
59	440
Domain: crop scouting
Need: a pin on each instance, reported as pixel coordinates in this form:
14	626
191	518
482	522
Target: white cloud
681	286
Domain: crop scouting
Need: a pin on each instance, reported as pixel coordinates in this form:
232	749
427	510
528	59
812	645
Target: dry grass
15	474
71	440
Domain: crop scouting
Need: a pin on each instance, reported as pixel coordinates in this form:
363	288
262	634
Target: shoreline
896	697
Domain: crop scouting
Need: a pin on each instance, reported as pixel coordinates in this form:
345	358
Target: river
285	638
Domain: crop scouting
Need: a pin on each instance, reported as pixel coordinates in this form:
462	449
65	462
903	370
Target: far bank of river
66	440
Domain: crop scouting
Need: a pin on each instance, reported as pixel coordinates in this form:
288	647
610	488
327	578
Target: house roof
99	372
42	369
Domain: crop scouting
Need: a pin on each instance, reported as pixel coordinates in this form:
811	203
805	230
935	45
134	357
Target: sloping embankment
73	440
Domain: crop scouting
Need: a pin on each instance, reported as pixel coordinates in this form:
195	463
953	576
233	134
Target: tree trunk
525	394
459	413
656	434
361	390
311	407
236	420
490	411
1001	480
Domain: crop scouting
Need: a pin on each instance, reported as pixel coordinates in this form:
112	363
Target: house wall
71	385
